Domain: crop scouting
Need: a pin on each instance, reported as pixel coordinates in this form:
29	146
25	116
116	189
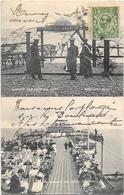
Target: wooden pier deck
63	179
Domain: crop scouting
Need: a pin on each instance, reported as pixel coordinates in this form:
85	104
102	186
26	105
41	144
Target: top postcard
62	48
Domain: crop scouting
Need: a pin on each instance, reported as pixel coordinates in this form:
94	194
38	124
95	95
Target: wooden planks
63	179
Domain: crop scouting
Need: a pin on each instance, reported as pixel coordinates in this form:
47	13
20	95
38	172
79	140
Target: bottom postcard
62	146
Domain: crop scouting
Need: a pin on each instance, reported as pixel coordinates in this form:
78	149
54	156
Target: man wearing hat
72	54
85	60
35	60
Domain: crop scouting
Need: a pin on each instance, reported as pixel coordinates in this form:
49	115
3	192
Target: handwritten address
21	15
20	11
86	114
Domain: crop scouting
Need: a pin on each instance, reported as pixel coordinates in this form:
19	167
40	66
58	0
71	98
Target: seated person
24	183
3	167
94	166
33	171
40	144
8	171
38	183
101	184
34	146
87	162
70	145
44	170
15	185
54	147
39	151
44	151
7	176
81	169
5	185
86	183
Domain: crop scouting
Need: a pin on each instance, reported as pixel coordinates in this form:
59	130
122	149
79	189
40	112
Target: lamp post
88	145
102	141
95	141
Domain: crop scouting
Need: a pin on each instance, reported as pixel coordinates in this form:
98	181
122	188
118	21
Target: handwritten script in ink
17	33
21	15
65	115
37	17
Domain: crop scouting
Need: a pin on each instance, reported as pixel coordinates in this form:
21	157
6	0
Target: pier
63	179
64	171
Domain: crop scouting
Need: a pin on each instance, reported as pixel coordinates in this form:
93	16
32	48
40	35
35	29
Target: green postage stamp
105	22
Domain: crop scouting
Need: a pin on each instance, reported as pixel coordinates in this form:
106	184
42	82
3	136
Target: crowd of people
89	174
27	167
71	60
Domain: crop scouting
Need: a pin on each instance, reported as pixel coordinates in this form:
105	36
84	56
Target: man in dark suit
72	54
35	60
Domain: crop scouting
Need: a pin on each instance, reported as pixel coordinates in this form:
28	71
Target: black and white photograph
62	48
70	147
62	104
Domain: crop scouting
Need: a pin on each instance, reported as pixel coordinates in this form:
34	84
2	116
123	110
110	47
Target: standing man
66	146
35	60
72	54
85	60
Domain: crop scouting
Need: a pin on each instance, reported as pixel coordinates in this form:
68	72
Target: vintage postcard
62	146
62	105
62	48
